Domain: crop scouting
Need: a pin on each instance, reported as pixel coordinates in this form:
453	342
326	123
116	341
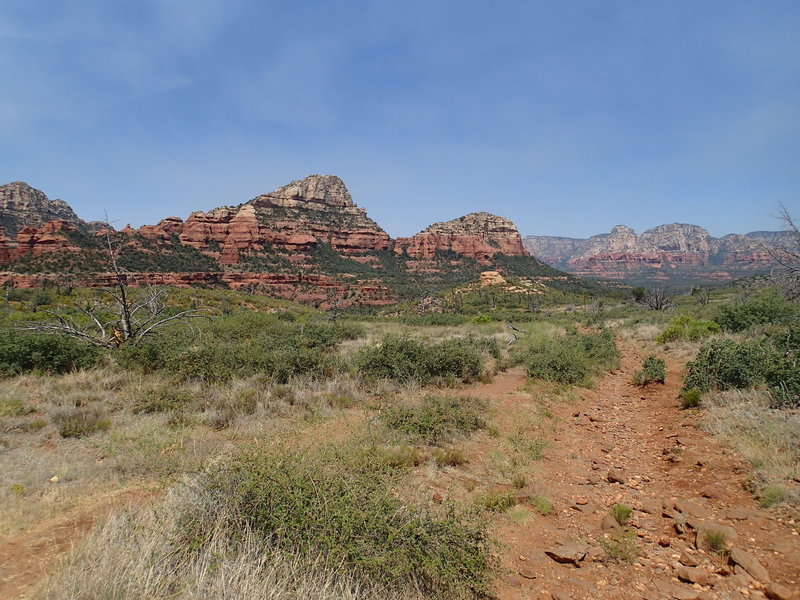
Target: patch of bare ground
576	453
25	558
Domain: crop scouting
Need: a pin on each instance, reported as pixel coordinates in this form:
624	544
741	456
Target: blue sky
567	117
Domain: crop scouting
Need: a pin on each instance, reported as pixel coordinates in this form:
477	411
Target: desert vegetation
286	451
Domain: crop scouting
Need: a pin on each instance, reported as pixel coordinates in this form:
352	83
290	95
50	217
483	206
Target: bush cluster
728	364
572	359
244	344
684	327
336	508
769	307
653	370
407	359
23	352
436	419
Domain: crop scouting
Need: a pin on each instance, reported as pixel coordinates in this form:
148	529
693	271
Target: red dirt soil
664	456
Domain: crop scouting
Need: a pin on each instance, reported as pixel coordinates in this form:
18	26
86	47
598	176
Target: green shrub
726	364
480	319
23	352
653	370
684	327
769	307
572	359
407	359
335	507
716	541
772	495
621	513
80	422
690	398
782	367
622	546
244	344
436	419
496	501
542	504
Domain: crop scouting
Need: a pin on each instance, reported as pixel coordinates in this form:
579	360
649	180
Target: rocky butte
306	241
477	235
676	252
23	206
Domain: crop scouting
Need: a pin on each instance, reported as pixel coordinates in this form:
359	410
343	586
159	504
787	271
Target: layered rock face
306	241
674	251
477	235
295	217
23	206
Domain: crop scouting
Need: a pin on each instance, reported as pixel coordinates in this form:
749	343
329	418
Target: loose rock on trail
620	443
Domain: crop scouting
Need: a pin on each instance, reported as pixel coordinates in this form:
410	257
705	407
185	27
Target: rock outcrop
296	218
676	251
477	235
23	206
306	240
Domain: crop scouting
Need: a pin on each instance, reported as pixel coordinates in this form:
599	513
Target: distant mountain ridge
306	240
678	252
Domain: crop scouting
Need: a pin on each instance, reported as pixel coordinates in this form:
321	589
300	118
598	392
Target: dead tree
658	298
787	274
128	319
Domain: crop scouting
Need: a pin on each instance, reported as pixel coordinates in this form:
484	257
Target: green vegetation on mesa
136	253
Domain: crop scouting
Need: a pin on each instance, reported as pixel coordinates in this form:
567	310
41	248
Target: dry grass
143	554
141	448
769	439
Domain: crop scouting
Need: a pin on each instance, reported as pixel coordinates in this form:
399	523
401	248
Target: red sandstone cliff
477	235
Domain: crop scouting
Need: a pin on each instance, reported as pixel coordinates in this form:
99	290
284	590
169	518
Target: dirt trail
663	456
26	557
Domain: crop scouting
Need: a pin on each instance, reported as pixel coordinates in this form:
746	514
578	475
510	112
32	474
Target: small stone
560	595
585	508
784	547
705	527
688	560
776	591
664	541
651	506
572	553
437	498
689	507
609	523
53	479
615	476
741	513
750	564
581	501
692	575
527	573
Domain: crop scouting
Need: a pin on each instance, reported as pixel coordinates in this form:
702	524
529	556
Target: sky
568	117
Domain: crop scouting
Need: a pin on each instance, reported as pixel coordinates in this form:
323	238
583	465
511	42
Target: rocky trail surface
620	443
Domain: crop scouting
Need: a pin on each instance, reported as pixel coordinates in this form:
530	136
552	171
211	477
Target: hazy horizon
568	118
